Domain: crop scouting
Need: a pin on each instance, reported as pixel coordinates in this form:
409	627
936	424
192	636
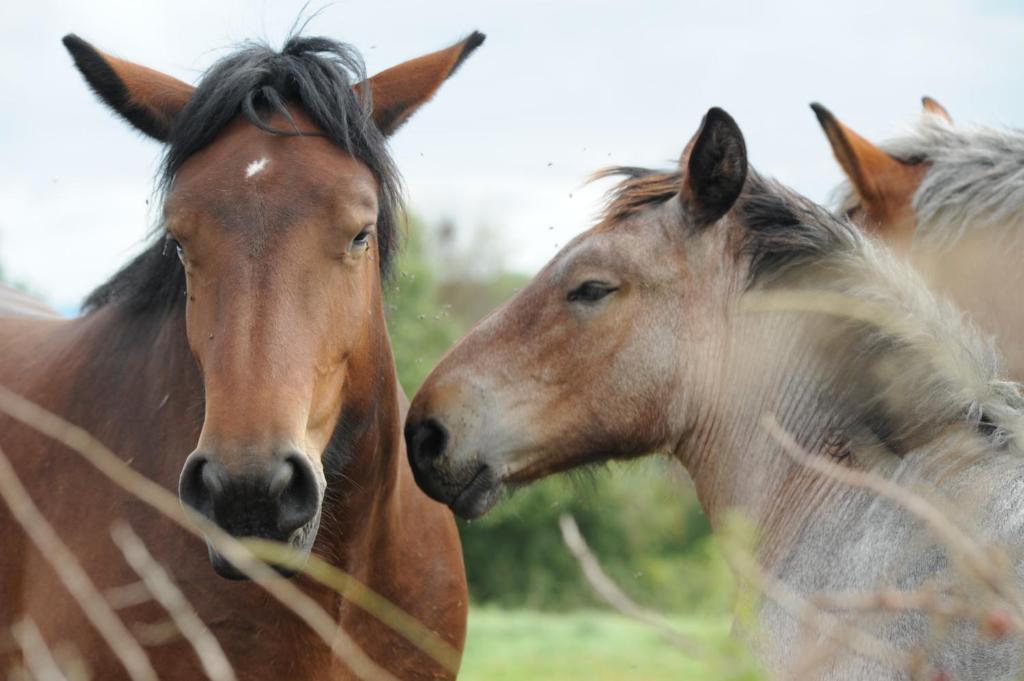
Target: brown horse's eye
590	292
363	238
173	243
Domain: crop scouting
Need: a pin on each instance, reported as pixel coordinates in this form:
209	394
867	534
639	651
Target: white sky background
558	90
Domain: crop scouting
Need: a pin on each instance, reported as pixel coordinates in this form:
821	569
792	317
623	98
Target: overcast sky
558	90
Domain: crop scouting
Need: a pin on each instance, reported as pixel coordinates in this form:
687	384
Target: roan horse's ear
884	184
715	168
399	91
932	107
147	99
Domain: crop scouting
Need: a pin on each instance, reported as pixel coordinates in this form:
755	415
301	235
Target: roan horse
251	333
705	299
952	199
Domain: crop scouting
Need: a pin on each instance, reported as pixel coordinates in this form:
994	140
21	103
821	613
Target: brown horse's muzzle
277	500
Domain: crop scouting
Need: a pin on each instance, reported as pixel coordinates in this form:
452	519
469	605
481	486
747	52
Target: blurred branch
290	596
836	632
38	659
71	574
128	595
985	565
610	592
211	655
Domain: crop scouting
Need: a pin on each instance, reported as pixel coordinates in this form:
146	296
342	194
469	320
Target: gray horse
706	299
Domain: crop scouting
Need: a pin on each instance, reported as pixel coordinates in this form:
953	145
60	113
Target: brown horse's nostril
426	440
200	482
295	482
270	501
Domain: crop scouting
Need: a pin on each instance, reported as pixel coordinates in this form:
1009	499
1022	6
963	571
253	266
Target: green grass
514	645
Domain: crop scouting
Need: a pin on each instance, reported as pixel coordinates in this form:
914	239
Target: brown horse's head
587	362
883	186
280	209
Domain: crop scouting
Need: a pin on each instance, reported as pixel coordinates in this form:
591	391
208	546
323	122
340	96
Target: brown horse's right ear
147	99
715	163
885	185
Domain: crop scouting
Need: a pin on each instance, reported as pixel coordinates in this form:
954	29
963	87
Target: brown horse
251	333
952	199
704	299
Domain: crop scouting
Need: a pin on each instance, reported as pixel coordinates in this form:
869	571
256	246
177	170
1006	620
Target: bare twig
69	570
38	659
610	592
840	633
211	655
360	595
128	595
151	493
982	564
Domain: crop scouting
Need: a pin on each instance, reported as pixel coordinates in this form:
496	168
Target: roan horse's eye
590	292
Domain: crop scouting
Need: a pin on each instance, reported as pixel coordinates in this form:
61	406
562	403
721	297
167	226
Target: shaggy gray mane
800	257
976	179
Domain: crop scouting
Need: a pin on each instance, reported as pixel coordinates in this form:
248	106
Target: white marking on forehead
256	166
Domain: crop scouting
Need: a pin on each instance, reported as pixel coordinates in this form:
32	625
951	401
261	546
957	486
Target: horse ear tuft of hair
398	92
147	99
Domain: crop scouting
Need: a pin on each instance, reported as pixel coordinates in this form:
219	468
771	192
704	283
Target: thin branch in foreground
72	575
610	592
211	656
832	628
982	565
38	659
79	440
128	595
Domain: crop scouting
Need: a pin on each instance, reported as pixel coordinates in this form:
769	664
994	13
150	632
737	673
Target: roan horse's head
587	362
280	203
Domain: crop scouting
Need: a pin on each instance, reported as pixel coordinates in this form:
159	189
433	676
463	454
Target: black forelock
783	229
256	81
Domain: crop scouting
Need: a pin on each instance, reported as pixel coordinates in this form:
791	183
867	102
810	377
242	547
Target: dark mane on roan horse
256	81
784	229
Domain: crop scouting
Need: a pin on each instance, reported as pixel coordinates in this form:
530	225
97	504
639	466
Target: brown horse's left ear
399	91
147	99
715	168
930	106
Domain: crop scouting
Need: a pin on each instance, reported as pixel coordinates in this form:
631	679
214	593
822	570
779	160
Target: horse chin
301	543
479	496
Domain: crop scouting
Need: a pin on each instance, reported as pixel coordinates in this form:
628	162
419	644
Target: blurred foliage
524	645
641	518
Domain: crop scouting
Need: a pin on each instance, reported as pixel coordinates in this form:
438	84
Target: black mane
256	82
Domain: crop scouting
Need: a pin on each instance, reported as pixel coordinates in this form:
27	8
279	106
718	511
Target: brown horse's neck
362	464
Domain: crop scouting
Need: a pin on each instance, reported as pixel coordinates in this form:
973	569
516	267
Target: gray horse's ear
399	91
715	168
147	99
932	107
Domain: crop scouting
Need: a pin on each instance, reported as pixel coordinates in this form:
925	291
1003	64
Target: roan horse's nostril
427	440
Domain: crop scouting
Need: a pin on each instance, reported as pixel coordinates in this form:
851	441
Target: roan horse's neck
800	371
